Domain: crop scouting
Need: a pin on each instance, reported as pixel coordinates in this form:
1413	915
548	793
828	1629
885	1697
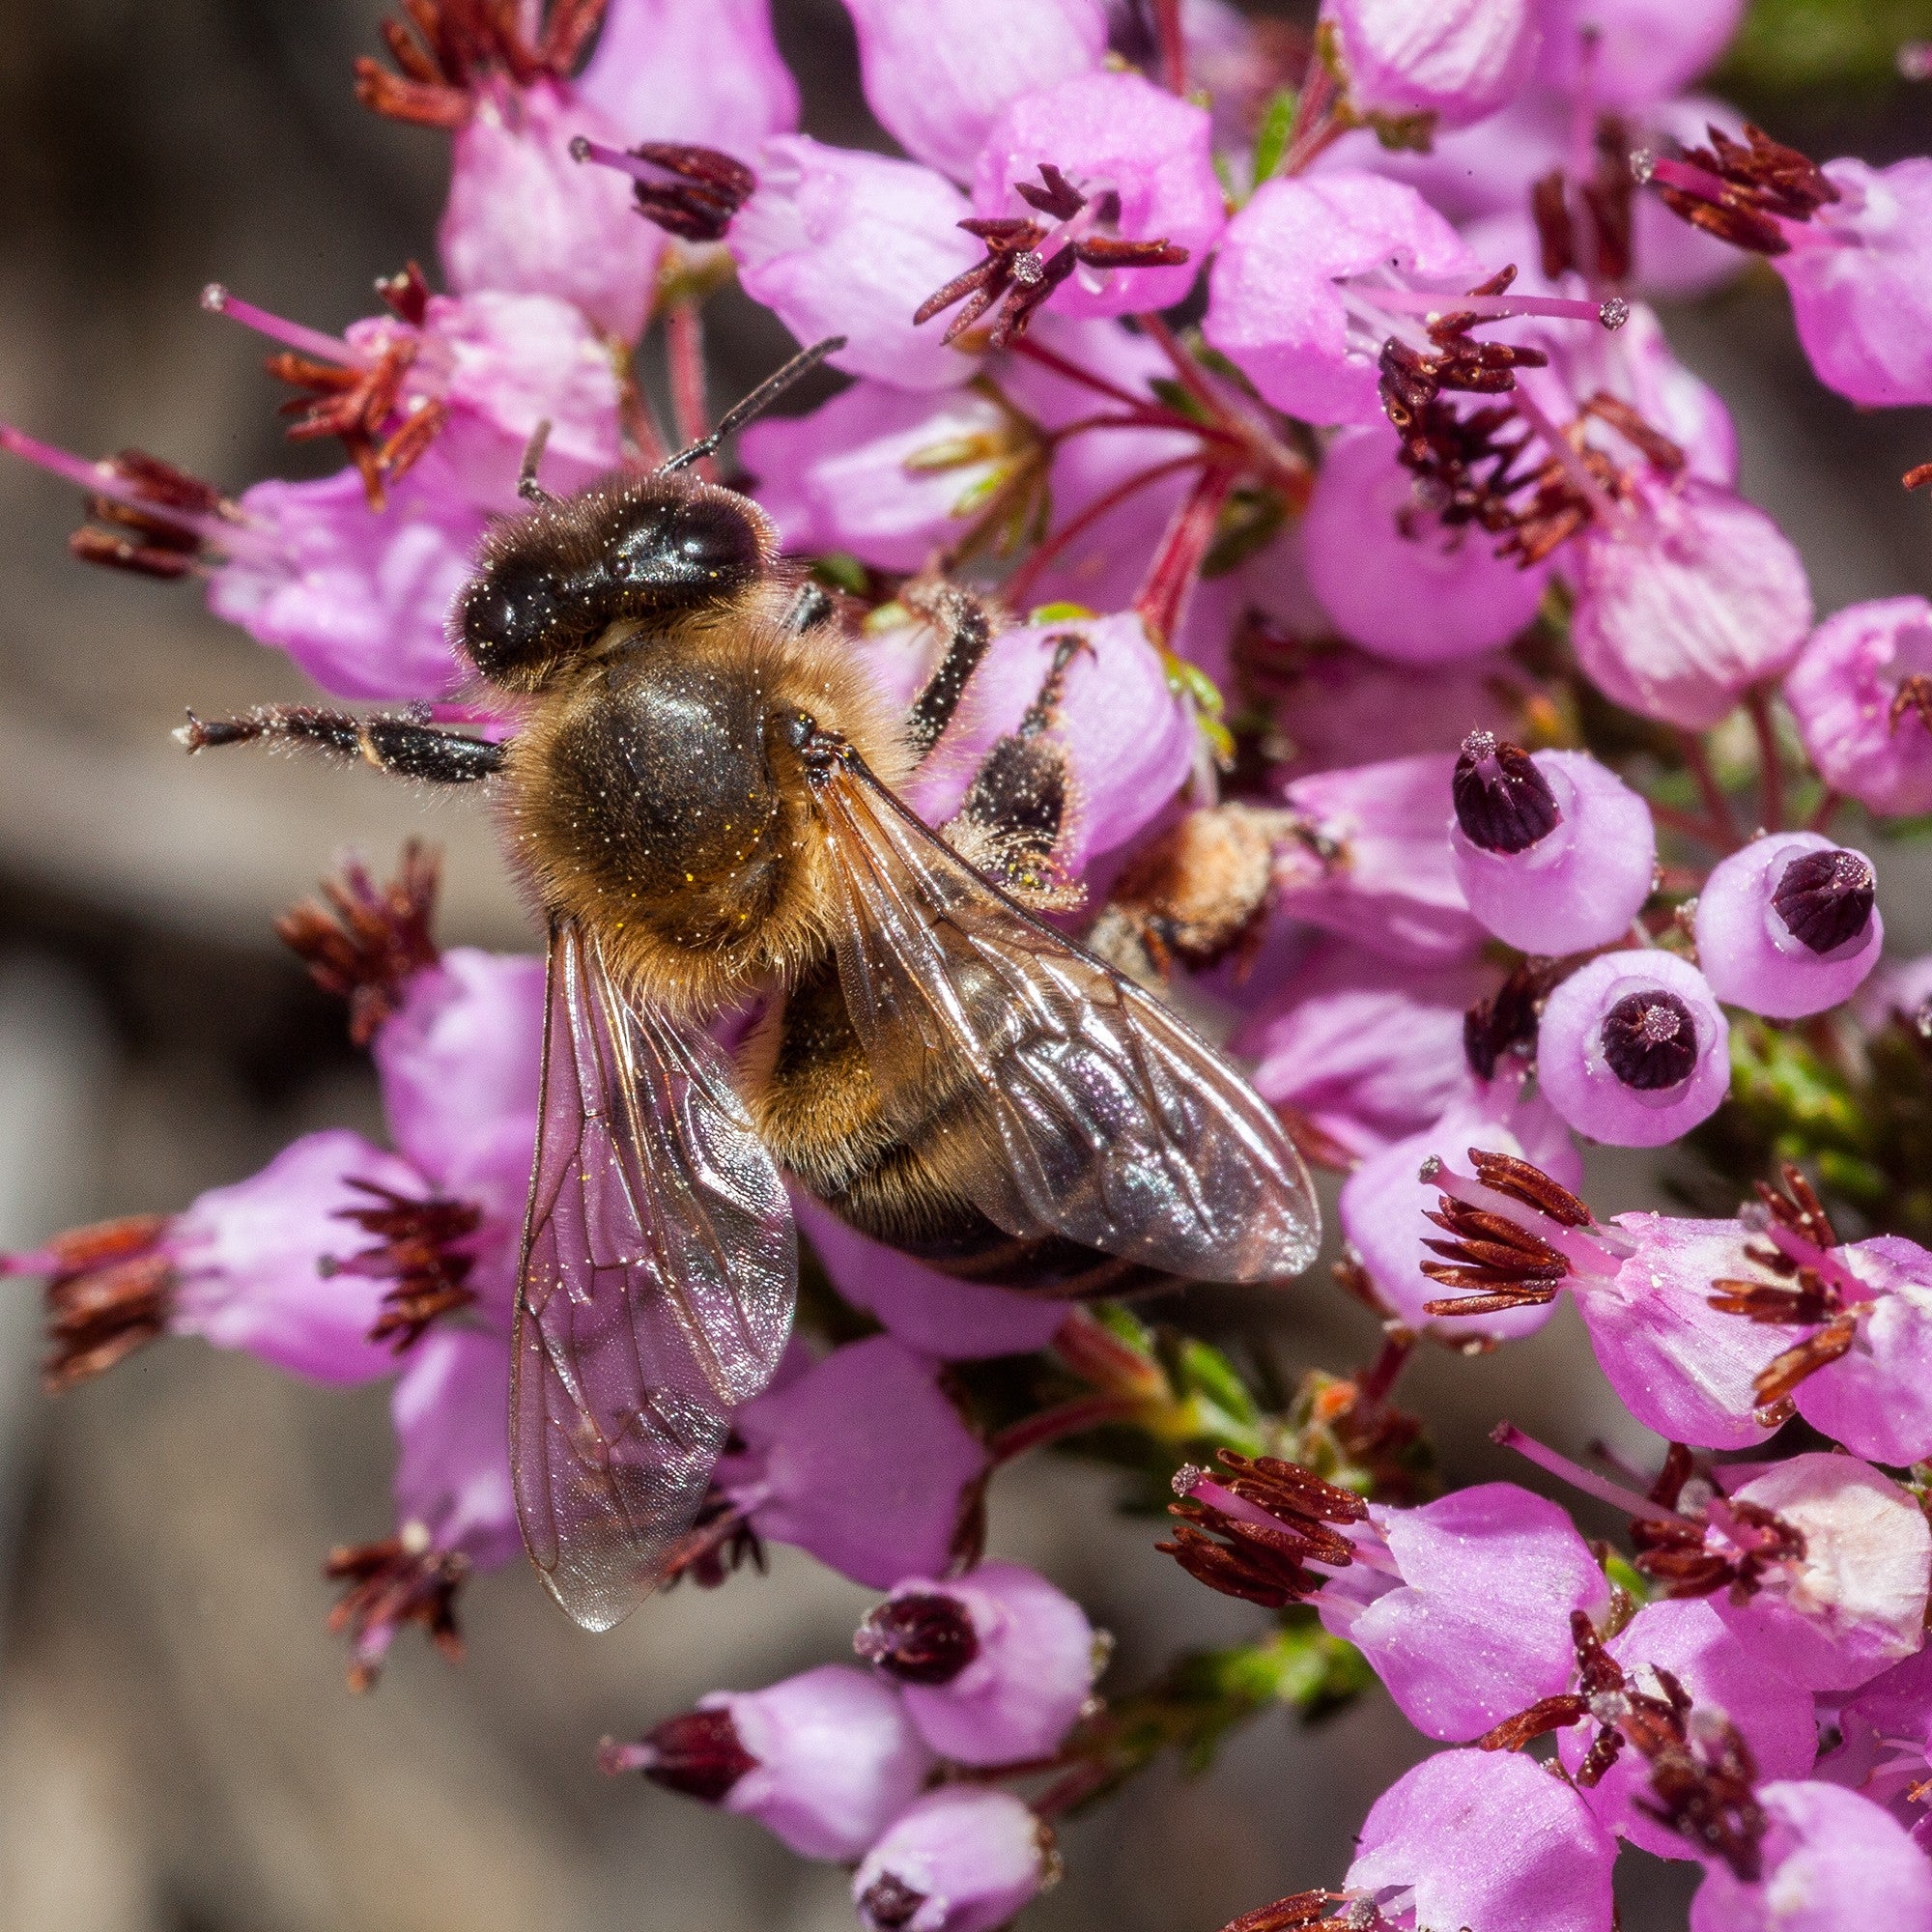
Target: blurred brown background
177	1752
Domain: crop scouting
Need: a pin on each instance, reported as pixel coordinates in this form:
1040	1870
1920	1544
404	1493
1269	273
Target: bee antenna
756	403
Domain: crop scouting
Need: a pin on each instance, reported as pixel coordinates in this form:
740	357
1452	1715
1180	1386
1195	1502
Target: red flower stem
1020	585
1188	372
1507	1435
1049	359
1146	418
1691	826
1375	1382
684	352
1094	1352
1173	46
636	413
1163	595
1316	122
1067	1418
1771	769
1268	454
1715	804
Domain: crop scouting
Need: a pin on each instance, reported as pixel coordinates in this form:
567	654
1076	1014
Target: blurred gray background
177	1750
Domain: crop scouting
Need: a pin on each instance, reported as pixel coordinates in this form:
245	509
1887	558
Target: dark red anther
418	1250
888	1904
406	295
110	1288
1826	898
399	1580
361	941
924	1637
1503	802
449	48
705	189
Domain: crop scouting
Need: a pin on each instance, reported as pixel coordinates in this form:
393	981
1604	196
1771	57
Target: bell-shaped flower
702	71
838	242
1861	694
962	1858
1454	61
1483	1840
993	1666
1685	596
1829	1861
1723	1682
1300	291
1361	1049
939	73
861	1460
1789	925
1634	1049
252	1266
1370	859
1393	577
824	1761
1385	1204
1554	852
1141	164
524	217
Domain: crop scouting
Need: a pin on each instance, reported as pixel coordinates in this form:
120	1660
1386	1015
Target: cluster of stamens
418	1250
157	542
449	45
1742	192
687	191
1492	1262
402	1580
363	942
1260	1553
109	1288
1027	260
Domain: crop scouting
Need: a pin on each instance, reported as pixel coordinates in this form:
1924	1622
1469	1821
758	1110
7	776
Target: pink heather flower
1463	1606
1457	60
1644	1286
1483	1840
961	1858
1627	54
241	1266
1856	692
359	599
1723	1681
1293	293
1633	1048
1120	139
884	473
705	72
1846	1597
1340	706
1372	862
1393	577
1384	1201
1886	1748
1859	272
1789	925
478	371
823	1760
1364	1050
993	1666
860	1461
935	1314
524	218
453	1457
938	72
1832	1861
1129	737
1554	852
1683	597
838	242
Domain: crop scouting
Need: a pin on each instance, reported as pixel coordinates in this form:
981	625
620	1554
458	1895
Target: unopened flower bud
993	1667
1633	1049
1789	925
958	1859
823	1760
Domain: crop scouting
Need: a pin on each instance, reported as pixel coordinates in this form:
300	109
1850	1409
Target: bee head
639	552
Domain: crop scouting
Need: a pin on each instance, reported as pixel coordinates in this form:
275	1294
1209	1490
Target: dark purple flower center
926	1637
1503	802
1650	1040
699	1754
1826	898
889	1903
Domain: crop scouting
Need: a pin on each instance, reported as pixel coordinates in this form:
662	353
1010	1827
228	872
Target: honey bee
699	795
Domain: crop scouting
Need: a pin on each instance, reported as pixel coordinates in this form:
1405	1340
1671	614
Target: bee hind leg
967	626
404	746
1016	811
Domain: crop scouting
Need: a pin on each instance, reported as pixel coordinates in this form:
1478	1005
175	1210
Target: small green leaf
1060	612
1272	137
842	571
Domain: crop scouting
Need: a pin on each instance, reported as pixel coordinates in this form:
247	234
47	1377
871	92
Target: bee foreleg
968	628
1010	822
404	746
809	608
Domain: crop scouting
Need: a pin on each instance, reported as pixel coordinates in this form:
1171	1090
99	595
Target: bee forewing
659	1271
1088	1109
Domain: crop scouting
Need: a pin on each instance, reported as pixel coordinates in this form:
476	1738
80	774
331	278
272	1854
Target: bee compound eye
511	616
704	545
